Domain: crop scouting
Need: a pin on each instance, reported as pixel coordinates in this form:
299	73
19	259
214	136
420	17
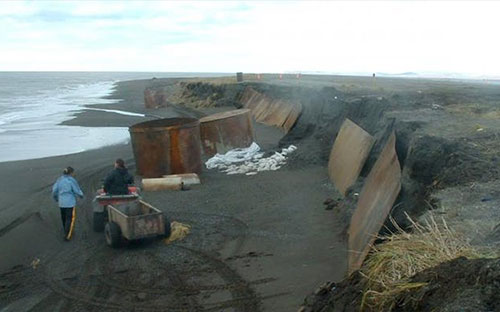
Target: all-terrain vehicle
102	200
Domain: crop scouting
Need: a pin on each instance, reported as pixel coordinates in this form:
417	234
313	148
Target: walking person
64	193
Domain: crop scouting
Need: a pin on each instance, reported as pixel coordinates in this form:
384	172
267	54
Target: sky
258	36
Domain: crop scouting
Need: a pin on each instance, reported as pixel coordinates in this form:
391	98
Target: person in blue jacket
64	193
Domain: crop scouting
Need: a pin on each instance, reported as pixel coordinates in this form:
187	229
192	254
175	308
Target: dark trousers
68	221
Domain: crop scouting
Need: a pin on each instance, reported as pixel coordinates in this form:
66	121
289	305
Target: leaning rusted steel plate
349	152
250	98
224	131
292	117
277	113
270	111
261	109
379	192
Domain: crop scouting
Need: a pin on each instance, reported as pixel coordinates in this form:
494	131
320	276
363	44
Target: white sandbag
158	184
186	178
249	160
233	156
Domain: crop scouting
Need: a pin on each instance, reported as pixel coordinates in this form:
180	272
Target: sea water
33	104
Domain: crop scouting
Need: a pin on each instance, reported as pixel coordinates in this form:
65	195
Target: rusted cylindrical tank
166	146
224	131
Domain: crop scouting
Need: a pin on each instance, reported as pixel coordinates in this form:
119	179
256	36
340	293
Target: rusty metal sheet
151	152
224	131
292	117
270	111
261	108
379	192
264	111
277	113
283	114
348	155
185	149
166	146
248	97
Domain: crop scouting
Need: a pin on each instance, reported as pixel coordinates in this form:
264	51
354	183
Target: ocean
33	104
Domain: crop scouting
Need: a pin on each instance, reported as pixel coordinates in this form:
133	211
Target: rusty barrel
227	130
166	146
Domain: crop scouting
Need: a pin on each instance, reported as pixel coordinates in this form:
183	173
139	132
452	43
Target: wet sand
257	243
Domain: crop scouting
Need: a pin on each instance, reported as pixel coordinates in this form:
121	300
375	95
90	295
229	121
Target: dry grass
474	109
226	80
178	232
390	265
492	115
214	81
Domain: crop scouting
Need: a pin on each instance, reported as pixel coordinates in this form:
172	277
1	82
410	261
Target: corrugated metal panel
349	152
377	197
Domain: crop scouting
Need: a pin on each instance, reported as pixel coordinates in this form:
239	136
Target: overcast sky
258	36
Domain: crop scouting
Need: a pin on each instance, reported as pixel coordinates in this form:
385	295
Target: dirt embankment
457	285
255	243
192	93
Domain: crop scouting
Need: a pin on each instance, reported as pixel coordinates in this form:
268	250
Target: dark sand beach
259	242
251	233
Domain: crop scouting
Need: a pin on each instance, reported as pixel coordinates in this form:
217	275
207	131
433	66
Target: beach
261	242
308	156
259	223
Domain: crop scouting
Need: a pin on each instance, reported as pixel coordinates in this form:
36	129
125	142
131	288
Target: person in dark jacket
118	180
64	192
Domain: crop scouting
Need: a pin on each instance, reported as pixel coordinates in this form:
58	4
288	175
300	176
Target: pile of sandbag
249	160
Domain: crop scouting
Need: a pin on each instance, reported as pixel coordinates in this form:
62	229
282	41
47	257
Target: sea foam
59	140
29	121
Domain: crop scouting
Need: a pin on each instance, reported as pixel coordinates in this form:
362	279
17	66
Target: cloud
250	36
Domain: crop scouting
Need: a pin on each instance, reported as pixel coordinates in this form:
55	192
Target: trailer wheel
113	234
98	221
168	229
